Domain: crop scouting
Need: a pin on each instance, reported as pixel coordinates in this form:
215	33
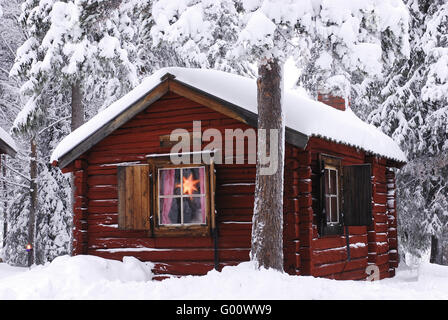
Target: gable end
170	84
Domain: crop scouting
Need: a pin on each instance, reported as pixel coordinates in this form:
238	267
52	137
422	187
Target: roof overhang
6	148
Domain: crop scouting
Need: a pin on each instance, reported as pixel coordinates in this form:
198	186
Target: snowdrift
89	277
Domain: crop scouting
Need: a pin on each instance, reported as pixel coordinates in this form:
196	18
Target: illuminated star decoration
189	185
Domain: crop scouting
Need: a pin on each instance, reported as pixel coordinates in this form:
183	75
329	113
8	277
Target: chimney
333	101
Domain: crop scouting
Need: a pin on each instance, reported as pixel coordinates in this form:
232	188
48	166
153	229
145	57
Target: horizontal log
184	268
393	243
380	227
304	158
305	186
182	255
337	241
235	201
359	274
340	267
169	242
235	189
376	237
103	192
304	172
101	180
378	247
338	254
379	197
379	259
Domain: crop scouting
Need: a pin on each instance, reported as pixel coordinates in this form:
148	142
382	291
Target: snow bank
89	277
73	277
302	114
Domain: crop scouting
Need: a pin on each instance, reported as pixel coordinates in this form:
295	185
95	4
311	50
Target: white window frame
180	196
336	195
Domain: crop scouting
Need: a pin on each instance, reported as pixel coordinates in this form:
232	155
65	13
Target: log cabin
130	199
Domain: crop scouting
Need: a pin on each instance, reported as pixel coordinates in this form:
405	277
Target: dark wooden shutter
133	197
357	195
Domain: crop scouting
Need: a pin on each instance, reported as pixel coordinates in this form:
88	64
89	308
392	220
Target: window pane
334	209
169	182
192	181
327	182
169	209
194	209
328	208
332	182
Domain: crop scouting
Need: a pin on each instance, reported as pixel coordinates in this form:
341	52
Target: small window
345	195
182	196
332	194
330	215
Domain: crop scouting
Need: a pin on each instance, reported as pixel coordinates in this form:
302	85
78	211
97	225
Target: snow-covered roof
7	144
309	117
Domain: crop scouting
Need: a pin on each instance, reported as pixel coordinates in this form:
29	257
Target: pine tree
414	112
72	58
10	104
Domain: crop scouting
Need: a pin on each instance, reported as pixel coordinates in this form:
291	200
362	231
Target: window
166	199
182	196
332	194
345	195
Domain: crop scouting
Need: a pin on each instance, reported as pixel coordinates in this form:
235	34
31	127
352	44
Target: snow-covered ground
89	277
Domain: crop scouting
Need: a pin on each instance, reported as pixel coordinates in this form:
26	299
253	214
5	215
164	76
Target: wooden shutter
133	197
357	195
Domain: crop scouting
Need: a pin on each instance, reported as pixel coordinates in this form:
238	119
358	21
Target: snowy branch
14	183
20	174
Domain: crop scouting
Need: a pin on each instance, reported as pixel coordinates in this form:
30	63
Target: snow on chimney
333	101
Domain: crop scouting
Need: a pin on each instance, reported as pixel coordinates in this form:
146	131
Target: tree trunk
436	253
439	251
33	202
77	107
76	121
5	196
267	222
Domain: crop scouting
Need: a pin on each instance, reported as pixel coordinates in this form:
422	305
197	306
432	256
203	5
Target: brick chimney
333	101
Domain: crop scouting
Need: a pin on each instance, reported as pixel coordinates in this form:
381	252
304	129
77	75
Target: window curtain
168	188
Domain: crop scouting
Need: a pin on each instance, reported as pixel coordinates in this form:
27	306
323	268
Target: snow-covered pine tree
352	46
70	59
195	33
10	103
32	117
10	38
414	112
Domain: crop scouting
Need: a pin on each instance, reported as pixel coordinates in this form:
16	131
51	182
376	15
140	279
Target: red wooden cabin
129	199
